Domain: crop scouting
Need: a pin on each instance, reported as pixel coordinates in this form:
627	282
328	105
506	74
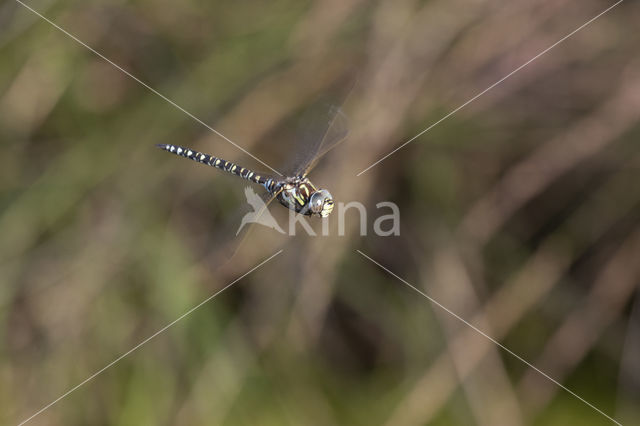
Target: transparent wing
328	127
336	133
254	211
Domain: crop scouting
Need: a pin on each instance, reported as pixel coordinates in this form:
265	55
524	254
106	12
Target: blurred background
520	213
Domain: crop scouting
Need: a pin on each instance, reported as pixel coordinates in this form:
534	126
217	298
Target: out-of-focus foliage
519	213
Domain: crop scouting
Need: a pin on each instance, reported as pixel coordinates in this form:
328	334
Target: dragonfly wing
321	129
255	211
336	132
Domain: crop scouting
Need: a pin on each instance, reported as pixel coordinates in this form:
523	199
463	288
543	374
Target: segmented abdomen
219	163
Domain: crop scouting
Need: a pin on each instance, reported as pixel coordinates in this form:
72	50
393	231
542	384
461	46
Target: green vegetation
519	213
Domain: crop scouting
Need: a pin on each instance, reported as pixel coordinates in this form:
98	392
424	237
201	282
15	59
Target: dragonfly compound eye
321	203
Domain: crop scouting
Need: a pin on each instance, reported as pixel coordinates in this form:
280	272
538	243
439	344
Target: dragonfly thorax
300	195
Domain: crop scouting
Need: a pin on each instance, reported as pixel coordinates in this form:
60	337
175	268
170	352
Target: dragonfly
294	190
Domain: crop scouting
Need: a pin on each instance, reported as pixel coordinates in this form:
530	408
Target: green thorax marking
296	193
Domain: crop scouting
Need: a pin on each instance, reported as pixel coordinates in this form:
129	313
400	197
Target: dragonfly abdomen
216	162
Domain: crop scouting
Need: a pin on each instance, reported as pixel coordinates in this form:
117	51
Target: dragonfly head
321	203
